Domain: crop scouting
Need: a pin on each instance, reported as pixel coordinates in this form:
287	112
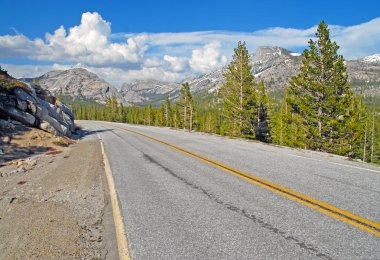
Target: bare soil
55	206
20	142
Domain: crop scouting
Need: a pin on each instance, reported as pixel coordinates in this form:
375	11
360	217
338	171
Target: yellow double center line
352	219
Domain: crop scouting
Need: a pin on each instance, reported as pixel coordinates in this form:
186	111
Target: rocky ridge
273	65
147	91
77	84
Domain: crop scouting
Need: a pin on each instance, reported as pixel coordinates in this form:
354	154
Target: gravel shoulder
58	208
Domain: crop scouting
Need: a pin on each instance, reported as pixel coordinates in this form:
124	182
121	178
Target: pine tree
187	107
160	116
184	100
239	102
112	108
167	112
148	119
353	143
191	111
176	115
279	123
374	140
319	96
262	125
286	127
373	115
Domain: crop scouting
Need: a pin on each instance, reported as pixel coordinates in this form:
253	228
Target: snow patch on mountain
212	90
372	58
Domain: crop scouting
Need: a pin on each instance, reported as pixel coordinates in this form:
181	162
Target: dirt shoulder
57	208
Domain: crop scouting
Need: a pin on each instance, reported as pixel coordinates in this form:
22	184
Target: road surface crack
258	220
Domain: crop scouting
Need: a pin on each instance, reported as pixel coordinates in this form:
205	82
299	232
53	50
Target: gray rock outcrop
31	109
76	84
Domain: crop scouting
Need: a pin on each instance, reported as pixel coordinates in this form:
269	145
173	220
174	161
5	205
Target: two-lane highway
196	196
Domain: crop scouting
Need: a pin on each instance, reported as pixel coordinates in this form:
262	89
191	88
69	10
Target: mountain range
272	65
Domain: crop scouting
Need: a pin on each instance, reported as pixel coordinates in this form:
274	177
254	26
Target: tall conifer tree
187	107
149	115
239	102
319	95
167	112
262	124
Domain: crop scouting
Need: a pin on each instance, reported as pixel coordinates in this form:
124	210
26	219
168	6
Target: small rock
21	116
32	162
5	124
16	123
22	105
23	95
32	107
22	169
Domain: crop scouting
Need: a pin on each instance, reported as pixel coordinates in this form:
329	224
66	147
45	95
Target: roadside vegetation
317	110
62	141
8	84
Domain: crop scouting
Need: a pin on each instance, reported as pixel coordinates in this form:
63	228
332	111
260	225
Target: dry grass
8	84
62	141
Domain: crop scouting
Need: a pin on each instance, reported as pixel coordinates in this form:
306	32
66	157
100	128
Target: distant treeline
317	112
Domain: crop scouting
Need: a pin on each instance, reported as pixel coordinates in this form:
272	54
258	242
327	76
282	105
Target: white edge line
341	164
117	216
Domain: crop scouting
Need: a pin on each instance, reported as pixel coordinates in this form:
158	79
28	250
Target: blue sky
170	40
39	17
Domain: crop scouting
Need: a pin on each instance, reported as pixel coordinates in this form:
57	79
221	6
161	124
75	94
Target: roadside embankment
58	207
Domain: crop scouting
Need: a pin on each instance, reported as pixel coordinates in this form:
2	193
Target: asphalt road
176	206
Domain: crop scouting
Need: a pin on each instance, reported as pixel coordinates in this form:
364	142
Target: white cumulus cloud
207	58
87	43
358	40
176	64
